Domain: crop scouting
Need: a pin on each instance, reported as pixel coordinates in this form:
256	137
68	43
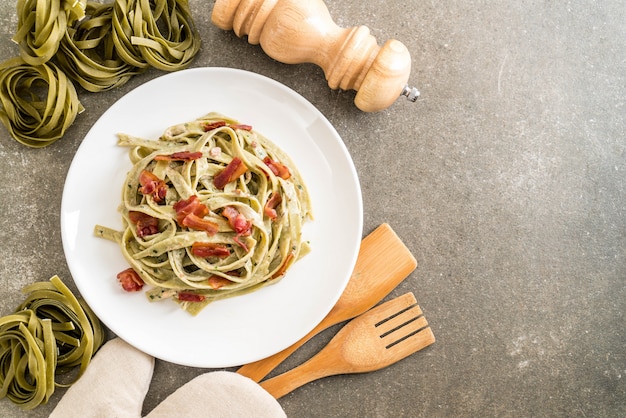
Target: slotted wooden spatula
378	338
383	262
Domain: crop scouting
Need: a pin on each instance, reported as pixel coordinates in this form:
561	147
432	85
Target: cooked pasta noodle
211	209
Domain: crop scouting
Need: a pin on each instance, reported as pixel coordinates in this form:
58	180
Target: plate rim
176	76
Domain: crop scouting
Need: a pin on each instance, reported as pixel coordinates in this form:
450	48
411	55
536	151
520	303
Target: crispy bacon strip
190	213
217	282
195	222
279	169
145	224
180	156
270	206
190	206
152	185
130	280
190	297
237	221
209	249
213	125
231	172
242	127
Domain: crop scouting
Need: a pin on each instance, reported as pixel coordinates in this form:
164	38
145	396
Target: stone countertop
506	180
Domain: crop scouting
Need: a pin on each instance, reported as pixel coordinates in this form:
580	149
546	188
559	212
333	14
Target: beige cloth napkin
117	380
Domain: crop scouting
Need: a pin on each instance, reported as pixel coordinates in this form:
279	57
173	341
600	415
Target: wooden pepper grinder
295	31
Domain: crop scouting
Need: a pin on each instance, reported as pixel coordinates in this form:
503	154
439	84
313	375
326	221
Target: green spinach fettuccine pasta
88	53
157	33
100	46
211	209
41	25
49	335
38	102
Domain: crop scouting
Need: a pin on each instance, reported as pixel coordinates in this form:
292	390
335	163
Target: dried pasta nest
88	53
41	25
157	33
98	46
50	334
38	102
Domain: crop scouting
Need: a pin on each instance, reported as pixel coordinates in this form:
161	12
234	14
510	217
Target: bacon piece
270	206
180	156
190	213
213	125
195	222
190	297
242	127
190	206
217	282
277	168
130	280
152	185
237	221
231	172
283	267
209	249
145	224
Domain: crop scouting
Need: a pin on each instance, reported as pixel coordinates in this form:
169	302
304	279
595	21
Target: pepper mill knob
293	32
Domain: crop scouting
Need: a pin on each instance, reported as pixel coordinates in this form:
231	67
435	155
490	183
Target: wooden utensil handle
293	31
315	368
383	262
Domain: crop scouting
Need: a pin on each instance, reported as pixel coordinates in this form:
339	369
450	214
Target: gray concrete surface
506	180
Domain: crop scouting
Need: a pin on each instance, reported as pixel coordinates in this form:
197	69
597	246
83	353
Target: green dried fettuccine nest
88	54
157	33
99	46
49	334
42	24
37	102
118	40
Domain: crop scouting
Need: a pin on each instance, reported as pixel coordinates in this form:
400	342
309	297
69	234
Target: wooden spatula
383	262
380	337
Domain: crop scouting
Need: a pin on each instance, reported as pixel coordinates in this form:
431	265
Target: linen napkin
118	378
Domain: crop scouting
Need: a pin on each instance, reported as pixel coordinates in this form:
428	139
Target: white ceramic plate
242	329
